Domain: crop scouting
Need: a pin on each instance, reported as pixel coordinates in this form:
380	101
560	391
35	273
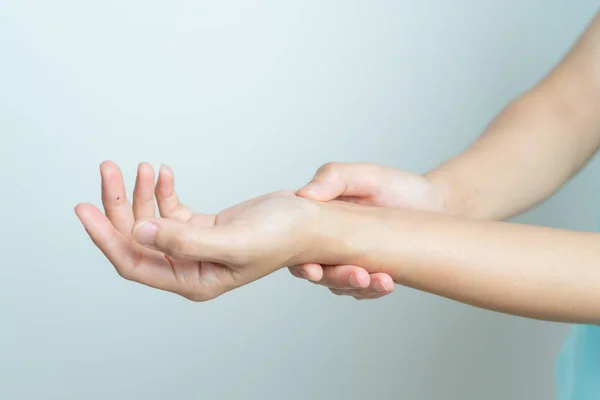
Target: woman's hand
372	185
198	256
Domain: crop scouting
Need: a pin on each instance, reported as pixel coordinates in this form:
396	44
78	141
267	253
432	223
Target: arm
523	270
532	147
529	271
536	144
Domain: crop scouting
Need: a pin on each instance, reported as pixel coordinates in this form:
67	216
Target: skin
198	256
523	270
539	141
529	271
368	184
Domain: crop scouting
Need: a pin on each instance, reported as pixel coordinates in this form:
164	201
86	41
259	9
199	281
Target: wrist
338	233
457	198
370	237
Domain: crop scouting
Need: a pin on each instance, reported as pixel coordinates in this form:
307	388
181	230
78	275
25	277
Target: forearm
537	143
534	272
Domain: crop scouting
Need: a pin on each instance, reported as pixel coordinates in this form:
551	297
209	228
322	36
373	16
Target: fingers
145	267
143	194
348	280
343	179
345	277
116	206
219	244
380	285
119	250
166	198
311	272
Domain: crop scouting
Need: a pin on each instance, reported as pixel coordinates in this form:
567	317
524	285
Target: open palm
264	223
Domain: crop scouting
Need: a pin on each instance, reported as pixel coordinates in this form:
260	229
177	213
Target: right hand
202	256
373	185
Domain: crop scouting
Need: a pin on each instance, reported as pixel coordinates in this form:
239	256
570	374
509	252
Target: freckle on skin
118	198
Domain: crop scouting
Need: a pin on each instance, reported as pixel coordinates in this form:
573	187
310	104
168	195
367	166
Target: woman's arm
531	148
536	144
529	271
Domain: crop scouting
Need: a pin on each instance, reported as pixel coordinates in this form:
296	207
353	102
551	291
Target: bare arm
532	147
536	144
523	270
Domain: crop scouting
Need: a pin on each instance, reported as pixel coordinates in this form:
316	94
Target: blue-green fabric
578	365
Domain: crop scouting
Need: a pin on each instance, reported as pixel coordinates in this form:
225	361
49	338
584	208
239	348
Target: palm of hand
268	217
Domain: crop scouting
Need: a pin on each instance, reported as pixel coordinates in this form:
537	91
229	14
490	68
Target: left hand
373	185
198	256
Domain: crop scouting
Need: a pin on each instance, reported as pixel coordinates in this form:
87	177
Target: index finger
149	268
121	252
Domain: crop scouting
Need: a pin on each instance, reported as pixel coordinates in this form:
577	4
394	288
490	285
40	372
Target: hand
198	256
372	185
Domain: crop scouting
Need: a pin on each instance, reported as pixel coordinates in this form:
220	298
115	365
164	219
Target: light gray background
241	98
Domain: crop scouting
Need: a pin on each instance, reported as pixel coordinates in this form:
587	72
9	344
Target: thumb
184	241
327	184
333	180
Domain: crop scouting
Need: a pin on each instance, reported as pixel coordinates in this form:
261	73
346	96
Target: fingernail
162	169
305	275
354	281
145	232
380	287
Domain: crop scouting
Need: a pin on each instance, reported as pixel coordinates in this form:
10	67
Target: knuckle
371	167
328	168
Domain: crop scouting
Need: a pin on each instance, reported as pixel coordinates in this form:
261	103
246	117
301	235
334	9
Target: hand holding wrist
456	197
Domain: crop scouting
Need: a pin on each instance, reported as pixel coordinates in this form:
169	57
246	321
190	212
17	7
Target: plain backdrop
241	98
